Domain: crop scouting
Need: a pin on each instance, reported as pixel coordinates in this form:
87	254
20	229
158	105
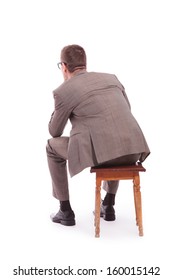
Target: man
104	131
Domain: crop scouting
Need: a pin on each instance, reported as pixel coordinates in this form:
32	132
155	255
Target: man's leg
57	157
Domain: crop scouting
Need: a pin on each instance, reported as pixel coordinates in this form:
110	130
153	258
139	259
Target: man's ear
64	66
65	72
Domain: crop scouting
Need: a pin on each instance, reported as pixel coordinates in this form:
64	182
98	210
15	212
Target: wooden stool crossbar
119	173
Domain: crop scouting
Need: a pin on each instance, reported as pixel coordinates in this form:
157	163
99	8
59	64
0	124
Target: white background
132	39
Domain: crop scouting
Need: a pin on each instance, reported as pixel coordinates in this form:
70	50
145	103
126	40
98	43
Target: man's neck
76	72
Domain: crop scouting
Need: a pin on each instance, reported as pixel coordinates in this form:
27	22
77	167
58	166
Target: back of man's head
74	57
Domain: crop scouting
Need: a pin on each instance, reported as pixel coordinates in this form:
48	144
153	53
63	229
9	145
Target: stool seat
125	172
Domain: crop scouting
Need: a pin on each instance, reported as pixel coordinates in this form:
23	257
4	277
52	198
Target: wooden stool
119	173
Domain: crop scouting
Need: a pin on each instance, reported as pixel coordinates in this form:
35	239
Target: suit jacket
103	127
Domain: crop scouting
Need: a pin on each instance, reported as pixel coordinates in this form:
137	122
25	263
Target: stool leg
138	203
97	207
135	201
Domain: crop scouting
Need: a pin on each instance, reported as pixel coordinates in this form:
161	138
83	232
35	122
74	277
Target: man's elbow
54	133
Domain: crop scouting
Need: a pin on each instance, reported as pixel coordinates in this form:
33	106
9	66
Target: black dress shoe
66	218
107	212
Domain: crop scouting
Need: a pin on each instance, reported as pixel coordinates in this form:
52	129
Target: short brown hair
74	57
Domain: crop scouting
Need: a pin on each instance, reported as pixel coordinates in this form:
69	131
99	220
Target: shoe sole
64	223
67	223
108	217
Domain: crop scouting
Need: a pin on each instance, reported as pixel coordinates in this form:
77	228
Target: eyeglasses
59	64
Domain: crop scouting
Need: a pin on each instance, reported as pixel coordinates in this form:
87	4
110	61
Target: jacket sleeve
59	118
126	98
123	92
